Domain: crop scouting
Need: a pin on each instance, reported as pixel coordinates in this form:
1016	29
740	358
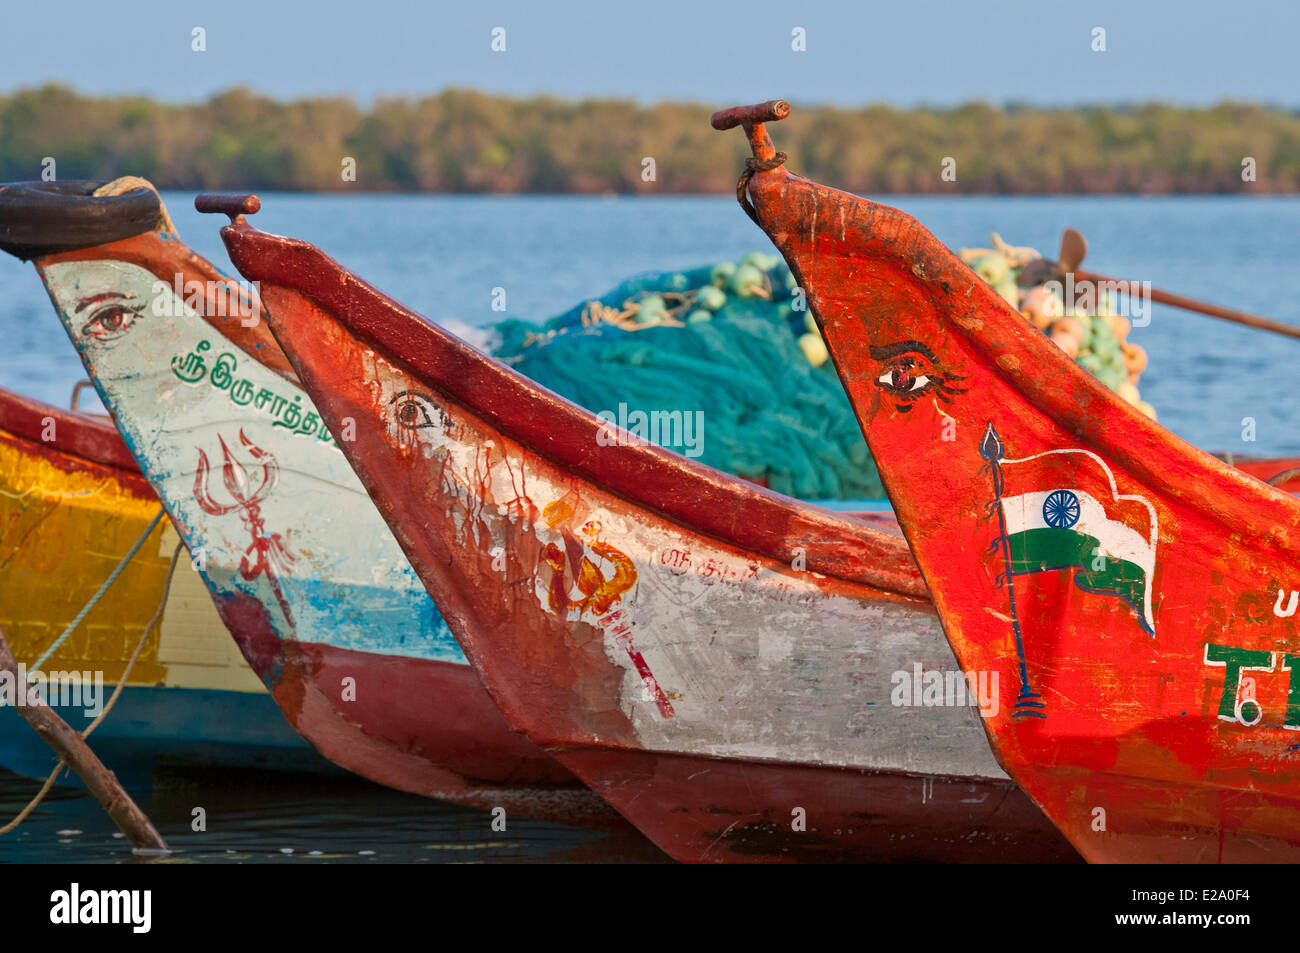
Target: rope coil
129	183
752	165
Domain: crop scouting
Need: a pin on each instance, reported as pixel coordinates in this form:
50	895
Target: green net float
651	310
711	298
814	349
721	273
1102	330
1084	332
1009	290
992	268
1090	363
746	281
698	316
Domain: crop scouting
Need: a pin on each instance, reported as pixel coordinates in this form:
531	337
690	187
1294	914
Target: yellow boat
72	504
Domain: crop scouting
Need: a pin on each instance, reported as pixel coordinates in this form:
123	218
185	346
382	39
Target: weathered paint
298	561
630	643
71	505
1160	737
279	515
700	639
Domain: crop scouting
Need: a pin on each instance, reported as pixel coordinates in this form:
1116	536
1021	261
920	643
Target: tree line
467	141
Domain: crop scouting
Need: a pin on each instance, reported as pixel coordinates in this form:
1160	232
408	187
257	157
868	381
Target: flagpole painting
1061	528
1027	702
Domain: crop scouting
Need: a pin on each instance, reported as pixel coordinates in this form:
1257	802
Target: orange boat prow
1135	596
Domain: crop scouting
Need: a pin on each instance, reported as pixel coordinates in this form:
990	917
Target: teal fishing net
732	346
728	358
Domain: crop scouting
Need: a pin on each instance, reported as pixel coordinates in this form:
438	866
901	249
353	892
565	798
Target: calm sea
443	256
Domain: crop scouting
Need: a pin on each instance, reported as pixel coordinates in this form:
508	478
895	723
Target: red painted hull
425	727
1267	468
1129	589
711	810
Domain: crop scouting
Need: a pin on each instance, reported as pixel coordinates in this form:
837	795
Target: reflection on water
256	817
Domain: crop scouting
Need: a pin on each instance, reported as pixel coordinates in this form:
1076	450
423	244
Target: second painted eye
110	322
412	411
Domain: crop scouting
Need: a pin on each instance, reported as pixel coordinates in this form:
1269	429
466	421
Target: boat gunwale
78	434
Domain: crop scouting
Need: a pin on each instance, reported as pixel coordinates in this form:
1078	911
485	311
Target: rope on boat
129	183
752	165
112	700
135	548
1285	476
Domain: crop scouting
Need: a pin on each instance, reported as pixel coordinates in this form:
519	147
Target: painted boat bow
1123	708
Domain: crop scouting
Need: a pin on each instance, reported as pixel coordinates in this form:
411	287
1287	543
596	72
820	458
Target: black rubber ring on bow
41	218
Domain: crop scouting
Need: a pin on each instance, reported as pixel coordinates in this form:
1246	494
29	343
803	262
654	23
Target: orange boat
1136	595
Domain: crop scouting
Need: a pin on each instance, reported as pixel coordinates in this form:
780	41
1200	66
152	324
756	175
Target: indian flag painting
1061	511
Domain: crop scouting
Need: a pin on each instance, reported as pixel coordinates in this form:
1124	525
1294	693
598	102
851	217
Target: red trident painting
266	554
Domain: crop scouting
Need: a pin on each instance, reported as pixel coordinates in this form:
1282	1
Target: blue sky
906	53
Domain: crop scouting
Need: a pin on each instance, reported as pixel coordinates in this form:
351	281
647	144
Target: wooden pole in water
72	748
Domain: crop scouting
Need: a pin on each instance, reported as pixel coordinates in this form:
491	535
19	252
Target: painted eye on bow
412	411
111	321
910	371
903	379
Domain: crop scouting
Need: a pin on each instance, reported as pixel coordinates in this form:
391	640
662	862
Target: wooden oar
1074	247
1201	307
